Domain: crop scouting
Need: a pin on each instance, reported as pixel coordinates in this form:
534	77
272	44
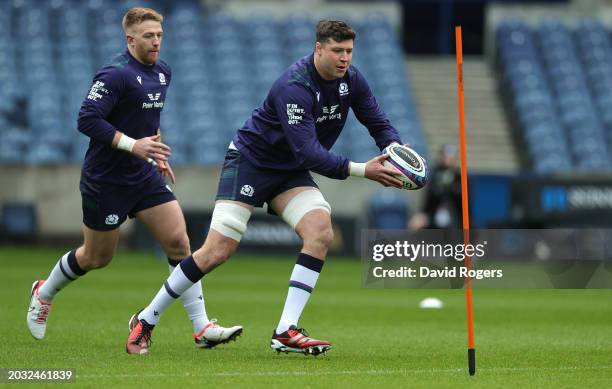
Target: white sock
181	279
303	280
65	271
193	301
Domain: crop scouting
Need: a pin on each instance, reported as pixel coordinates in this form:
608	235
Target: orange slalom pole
464	200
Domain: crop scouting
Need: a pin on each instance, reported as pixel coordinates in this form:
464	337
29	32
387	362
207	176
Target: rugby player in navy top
122	174
269	161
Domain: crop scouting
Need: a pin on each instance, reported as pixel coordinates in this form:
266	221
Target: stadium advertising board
568	201
265	234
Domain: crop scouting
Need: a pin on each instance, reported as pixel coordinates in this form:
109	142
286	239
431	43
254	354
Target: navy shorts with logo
241	181
106	207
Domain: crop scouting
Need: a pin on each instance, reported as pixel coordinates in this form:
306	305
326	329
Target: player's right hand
150	147
385	176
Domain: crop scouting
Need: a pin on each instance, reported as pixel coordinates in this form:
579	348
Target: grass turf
524	338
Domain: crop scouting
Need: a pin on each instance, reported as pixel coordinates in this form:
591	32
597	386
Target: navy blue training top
302	117
127	96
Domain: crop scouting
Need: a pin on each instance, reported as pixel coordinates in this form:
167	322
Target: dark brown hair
334	29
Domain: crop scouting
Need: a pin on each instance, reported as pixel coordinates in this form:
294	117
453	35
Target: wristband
357	169
126	143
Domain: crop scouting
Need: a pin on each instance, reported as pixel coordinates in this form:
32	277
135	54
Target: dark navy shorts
241	181
106	207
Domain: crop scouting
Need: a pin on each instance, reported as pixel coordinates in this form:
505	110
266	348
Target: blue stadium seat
13	144
212	57
566	104
552	163
209	153
79	147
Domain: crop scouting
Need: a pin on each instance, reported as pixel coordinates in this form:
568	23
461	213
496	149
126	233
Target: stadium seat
388	209
13	145
567	103
208	52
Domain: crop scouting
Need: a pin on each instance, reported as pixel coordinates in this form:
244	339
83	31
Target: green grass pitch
381	339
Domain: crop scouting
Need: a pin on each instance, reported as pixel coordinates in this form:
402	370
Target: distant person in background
442	206
122	175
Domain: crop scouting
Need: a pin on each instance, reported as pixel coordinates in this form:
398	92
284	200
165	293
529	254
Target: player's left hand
163	166
165	170
405	144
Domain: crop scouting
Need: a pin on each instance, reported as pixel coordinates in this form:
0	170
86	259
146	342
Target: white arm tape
126	143
357	169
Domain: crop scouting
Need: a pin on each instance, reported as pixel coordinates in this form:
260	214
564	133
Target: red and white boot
38	312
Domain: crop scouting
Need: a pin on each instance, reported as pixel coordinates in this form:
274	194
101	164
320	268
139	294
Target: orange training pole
464	200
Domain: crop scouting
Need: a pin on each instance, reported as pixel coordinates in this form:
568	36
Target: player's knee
220	252
326	236
318	232
177	245
96	259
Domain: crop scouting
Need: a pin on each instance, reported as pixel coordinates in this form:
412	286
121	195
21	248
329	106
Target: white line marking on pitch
344	372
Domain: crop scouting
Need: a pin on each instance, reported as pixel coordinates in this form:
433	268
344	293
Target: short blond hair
138	15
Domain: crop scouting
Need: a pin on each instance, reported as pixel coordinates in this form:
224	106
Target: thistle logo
247	190
162	79
139	79
343	89
111	220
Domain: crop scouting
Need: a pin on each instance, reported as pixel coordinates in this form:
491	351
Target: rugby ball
411	167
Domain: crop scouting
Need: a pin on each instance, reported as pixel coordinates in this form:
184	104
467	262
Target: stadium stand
555	80
49	53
